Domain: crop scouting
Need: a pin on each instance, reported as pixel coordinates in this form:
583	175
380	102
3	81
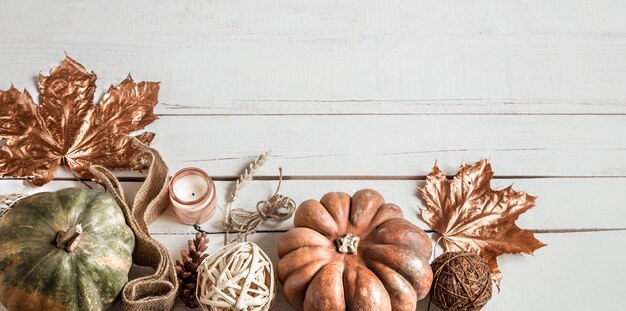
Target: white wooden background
353	94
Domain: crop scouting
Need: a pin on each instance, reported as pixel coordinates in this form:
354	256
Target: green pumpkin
64	250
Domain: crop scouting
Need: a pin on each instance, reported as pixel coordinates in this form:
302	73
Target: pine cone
187	269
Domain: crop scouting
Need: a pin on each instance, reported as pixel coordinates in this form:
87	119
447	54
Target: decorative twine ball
461	282
239	276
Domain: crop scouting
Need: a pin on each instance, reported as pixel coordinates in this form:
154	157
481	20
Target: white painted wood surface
356	94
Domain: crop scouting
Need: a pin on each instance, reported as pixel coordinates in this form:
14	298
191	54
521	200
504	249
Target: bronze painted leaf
68	129
470	216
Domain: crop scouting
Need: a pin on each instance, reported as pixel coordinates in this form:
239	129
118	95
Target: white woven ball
239	276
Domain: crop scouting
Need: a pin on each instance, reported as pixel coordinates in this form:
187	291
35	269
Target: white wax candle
192	195
190	188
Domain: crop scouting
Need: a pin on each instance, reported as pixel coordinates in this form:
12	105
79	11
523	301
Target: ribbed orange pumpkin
354	253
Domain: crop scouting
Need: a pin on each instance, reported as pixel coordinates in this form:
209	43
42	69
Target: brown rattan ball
461	282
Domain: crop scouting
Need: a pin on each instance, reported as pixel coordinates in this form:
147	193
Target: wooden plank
354	57
564	275
302	17
401	146
575	203
405	146
426	106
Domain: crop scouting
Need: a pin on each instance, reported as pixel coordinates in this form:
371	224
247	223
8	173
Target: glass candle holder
192	196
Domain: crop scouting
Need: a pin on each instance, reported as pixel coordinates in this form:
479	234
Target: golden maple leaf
470	216
68	129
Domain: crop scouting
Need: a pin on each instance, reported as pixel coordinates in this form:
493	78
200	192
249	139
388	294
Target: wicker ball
239	276
461	282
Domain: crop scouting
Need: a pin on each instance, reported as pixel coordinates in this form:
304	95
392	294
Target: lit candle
192	196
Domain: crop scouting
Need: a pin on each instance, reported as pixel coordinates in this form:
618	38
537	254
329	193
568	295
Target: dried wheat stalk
244	178
247	175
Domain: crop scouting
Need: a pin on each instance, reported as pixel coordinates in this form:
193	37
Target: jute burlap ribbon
157	291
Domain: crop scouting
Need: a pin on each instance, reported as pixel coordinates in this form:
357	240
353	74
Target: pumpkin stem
347	244
68	239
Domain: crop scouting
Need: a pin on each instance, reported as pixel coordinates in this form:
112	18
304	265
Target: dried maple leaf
68	129
470	216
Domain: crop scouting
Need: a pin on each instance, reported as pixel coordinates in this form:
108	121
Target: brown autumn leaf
470	216
68	129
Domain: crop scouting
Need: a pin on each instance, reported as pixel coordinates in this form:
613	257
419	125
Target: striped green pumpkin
44	265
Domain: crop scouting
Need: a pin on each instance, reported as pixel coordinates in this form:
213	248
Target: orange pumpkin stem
347	244
68	239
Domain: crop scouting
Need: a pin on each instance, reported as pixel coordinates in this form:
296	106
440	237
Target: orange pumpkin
354	253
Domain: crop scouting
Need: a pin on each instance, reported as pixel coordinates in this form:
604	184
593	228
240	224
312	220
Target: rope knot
262	207
278	207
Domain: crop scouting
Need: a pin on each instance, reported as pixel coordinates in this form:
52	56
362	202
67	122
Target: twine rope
244	222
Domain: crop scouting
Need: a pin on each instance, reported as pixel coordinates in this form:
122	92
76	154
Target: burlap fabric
157	291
